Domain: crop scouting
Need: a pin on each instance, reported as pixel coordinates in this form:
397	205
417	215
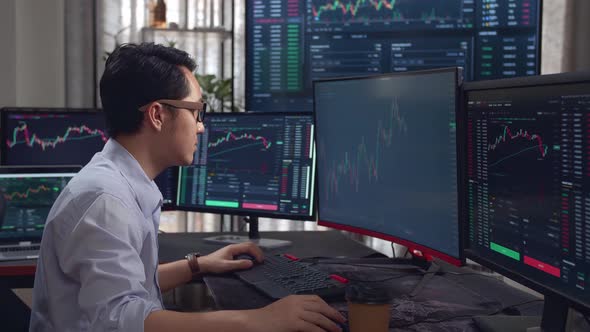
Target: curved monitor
387	158
254	164
528	202
46	136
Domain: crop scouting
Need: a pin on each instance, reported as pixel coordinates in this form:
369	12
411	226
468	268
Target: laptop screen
26	197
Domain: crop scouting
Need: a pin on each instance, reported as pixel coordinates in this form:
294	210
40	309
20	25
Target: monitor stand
253	236
555	318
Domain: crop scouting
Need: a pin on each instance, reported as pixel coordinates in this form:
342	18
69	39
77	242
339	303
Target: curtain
577	36
566	36
79	53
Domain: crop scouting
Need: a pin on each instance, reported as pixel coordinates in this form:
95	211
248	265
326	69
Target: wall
581	37
40	55
32	56
79	56
553	31
7	54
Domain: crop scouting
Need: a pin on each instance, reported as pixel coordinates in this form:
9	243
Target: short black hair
137	74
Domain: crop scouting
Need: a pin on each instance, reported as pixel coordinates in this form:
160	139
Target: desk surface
458	292
443	297
174	246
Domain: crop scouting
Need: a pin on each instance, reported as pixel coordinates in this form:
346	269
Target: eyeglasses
195	107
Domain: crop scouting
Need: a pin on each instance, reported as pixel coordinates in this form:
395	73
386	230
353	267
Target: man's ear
155	115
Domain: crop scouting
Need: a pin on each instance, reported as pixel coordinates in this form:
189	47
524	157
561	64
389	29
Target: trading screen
292	43
167	182
52	138
259	163
27	199
387	156
528	190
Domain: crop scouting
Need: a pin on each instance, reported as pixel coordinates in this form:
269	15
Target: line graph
24	195
216	154
350	8
231	136
364	161
508	136
30	140
386	10
512	156
29	199
231	149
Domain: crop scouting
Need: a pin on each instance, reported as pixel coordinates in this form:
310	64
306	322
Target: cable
406	253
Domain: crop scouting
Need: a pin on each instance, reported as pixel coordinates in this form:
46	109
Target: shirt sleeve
103	254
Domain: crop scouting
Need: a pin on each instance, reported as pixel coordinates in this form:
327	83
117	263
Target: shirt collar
147	194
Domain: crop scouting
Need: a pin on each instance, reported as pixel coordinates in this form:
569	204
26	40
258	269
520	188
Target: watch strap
193	263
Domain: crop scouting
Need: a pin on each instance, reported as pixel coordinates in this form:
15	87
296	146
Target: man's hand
223	261
305	313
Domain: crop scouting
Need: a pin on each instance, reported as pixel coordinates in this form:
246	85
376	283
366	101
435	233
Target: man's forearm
172	275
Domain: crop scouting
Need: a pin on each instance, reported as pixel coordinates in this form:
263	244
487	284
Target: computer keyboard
20	248
283	275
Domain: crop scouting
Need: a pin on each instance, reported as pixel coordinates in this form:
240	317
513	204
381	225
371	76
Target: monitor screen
51	137
387	158
167	182
528	198
290	43
26	196
258	164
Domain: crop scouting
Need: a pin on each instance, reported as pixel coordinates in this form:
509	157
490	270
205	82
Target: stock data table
292	43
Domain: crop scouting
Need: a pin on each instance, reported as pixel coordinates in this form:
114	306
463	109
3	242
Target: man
98	269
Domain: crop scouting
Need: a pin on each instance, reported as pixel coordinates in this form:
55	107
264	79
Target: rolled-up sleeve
103	254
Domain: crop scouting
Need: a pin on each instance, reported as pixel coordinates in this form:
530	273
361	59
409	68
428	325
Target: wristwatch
193	263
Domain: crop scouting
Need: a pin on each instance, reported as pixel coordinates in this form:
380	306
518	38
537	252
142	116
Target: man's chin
187	162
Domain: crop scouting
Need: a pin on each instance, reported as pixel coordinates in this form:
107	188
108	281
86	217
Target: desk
16	274
458	292
173	246
441	296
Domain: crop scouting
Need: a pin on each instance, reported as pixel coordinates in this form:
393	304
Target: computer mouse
245	256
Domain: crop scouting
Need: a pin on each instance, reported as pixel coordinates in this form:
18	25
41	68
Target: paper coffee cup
368	307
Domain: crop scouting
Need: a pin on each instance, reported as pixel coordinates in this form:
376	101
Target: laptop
27	194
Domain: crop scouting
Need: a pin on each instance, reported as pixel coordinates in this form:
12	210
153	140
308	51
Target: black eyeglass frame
200	106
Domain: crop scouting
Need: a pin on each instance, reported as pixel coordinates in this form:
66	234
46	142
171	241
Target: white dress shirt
97	270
